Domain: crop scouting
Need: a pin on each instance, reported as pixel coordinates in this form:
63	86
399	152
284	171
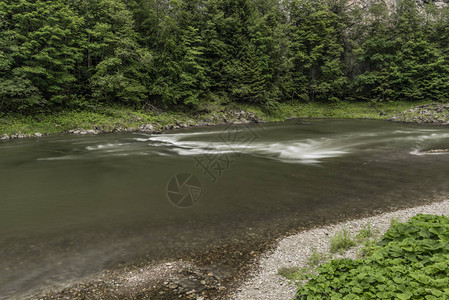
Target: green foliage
410	262
399	58
317	48
40	49
117	64
341	241
178	54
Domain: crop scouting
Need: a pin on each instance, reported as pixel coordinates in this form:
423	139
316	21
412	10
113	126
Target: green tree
117	66
318	47
40	49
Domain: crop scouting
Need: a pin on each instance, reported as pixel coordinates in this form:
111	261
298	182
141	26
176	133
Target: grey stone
146	128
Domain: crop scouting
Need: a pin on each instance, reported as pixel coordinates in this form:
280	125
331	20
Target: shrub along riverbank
119	118
411	261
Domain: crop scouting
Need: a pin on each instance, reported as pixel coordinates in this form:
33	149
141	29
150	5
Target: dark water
75	205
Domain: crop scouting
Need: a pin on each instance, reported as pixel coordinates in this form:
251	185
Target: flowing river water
75	205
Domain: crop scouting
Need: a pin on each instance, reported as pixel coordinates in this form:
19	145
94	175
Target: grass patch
317	258
341	241
108	118
299	275
341	110
296	274
366	233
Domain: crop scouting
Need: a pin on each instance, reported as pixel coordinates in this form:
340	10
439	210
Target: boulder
146	128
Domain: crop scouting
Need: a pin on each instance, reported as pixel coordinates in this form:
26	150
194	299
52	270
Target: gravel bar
295	250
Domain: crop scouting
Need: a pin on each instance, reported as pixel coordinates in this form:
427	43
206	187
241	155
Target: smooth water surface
75	205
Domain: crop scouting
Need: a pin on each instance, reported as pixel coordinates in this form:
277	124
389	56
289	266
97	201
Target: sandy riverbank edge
295	250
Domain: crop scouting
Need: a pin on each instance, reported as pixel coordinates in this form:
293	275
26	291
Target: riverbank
294	252
240	272
433	113
122	119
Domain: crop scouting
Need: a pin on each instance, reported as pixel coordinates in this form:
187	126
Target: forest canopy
177	54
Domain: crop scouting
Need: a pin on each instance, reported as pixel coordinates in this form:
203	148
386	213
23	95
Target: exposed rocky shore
208	275
227	117
435	113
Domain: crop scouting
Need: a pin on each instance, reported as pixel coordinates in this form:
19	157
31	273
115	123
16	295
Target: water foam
308	151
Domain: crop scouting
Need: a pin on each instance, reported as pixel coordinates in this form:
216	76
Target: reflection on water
72	206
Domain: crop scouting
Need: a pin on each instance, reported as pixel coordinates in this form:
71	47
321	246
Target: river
72	205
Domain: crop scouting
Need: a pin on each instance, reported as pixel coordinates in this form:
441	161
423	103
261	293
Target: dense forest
177	54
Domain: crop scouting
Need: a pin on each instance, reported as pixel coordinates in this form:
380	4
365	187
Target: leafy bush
410	262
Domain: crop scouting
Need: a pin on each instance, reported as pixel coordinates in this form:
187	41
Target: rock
38	134
146	128
83	132
91	131
4	137
76	131
434	113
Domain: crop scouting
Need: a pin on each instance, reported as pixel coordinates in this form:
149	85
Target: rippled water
75	205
